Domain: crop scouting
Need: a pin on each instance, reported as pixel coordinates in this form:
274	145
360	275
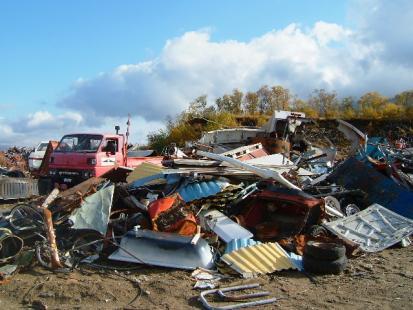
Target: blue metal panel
355	174
373	150
170	179
296	260
236	244
197	190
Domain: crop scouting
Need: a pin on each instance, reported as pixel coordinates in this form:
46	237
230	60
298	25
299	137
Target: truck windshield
42	147
79	143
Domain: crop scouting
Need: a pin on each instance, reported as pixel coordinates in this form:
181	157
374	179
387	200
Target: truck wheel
315	265
350	209
324	250
317	230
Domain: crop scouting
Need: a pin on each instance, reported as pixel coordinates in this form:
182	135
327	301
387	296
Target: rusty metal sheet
18	188
71	198
258	259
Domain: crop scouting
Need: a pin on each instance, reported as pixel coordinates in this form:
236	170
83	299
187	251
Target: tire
317	230
16	174
318	266
324	250
350	209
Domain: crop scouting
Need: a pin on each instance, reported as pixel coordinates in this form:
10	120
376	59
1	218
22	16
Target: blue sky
88	63
46	45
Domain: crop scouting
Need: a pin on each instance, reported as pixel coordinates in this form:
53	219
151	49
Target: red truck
84	155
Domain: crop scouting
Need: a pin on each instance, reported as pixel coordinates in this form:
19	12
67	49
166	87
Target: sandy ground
382	280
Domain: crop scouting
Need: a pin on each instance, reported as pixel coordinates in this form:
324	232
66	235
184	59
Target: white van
36	157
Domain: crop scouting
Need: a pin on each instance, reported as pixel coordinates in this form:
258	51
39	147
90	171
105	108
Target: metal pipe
262	172
48	223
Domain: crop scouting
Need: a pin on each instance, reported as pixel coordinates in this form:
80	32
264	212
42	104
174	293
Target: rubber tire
324	250
318	266
317	230
344	209
16	174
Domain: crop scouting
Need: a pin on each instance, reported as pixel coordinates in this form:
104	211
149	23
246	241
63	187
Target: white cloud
389	24
327	32
39	118
44	119
8	136
43	125
194	64
375	54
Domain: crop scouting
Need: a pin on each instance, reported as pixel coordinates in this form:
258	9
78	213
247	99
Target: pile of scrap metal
16	157
14	183
244	211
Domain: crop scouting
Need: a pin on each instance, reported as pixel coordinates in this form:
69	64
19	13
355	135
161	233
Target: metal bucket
10	245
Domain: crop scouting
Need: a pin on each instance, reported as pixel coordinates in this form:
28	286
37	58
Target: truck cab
84	155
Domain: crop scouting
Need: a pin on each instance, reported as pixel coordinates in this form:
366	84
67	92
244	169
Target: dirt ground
382	280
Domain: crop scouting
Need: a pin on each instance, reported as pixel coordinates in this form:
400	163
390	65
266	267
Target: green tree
404	98
280	98
264	99
347	108
236	100
224	103
198	105
157	141
251	102
230	103
324	102
405	101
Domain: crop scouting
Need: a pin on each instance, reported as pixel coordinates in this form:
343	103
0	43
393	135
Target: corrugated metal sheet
197	190
258	259
17	188
236	244
296	260
144	170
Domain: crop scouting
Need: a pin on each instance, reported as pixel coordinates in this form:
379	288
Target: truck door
113	152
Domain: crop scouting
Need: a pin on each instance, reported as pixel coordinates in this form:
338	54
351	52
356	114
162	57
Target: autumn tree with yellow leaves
225	111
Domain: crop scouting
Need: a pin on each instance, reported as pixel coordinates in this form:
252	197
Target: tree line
320	104
263	102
